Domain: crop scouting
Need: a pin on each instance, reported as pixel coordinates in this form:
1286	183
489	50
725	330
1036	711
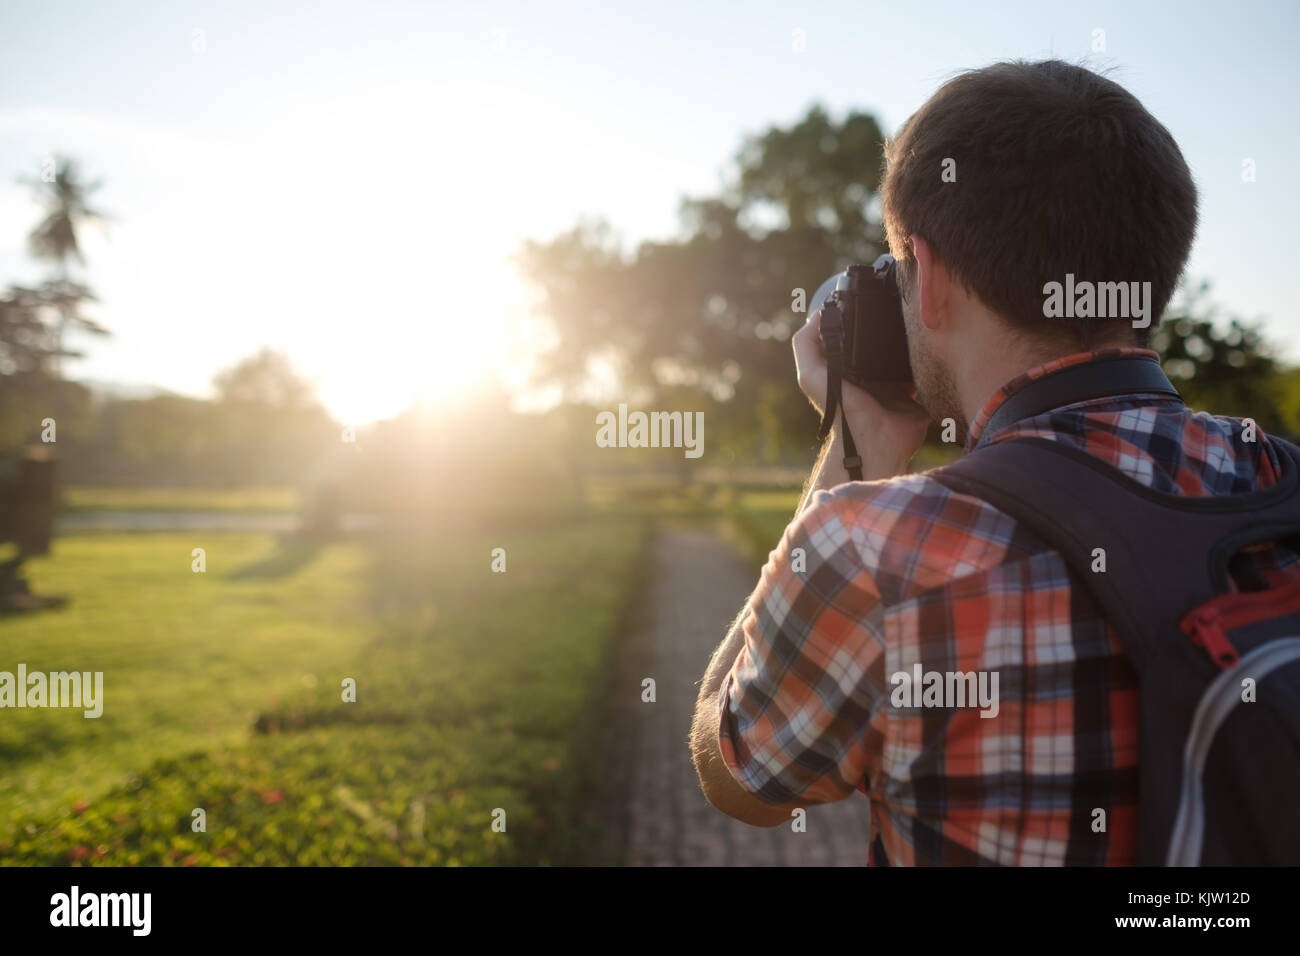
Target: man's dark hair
1058	170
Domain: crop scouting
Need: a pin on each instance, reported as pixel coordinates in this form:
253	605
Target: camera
862	327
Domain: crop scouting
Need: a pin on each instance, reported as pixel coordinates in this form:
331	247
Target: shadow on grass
291	555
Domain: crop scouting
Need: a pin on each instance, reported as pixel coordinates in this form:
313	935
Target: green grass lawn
474	693
758	519
188	659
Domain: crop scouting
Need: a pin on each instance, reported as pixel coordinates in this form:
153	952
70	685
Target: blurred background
306	315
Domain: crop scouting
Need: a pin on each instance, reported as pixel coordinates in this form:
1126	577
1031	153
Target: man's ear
932	284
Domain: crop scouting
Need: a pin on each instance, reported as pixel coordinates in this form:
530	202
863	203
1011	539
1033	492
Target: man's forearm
830	472
723	658
719	787
827	473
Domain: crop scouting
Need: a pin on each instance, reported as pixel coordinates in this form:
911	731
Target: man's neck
988	369
976	381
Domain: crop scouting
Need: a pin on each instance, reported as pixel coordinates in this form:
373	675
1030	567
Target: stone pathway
655	813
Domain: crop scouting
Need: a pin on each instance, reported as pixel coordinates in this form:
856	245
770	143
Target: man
1008	179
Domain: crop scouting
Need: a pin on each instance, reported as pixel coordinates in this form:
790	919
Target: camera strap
832	335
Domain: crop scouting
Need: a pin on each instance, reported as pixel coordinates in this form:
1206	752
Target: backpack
1218	671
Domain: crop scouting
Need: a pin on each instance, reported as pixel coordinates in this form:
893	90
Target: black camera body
862	324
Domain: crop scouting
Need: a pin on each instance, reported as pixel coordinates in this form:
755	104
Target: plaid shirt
904	572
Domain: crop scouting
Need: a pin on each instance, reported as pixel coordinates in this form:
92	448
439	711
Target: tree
29	393
26	338
1223	367
715	308
30	318
65	197
266	379
269	424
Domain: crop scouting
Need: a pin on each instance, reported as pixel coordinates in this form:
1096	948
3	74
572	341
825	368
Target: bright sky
346	182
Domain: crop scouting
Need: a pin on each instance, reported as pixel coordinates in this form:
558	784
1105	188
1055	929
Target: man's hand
886	438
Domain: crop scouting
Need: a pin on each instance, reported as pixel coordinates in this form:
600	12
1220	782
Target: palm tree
65	198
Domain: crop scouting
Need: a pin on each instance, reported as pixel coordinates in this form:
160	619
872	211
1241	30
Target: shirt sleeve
798	710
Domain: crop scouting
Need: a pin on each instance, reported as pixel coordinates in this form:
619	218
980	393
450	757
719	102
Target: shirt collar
976	429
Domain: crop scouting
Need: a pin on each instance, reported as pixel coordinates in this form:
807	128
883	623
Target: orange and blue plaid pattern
892	574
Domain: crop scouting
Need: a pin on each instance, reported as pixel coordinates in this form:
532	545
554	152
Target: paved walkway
655	811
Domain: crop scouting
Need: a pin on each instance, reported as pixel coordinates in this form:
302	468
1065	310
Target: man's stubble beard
936	391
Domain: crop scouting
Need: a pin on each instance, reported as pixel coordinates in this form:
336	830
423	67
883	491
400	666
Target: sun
430	356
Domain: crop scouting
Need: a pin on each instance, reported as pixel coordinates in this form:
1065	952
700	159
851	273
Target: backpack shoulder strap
1100	378
1164	554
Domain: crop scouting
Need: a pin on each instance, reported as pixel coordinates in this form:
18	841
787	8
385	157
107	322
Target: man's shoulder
911	533
1164	445
902	495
